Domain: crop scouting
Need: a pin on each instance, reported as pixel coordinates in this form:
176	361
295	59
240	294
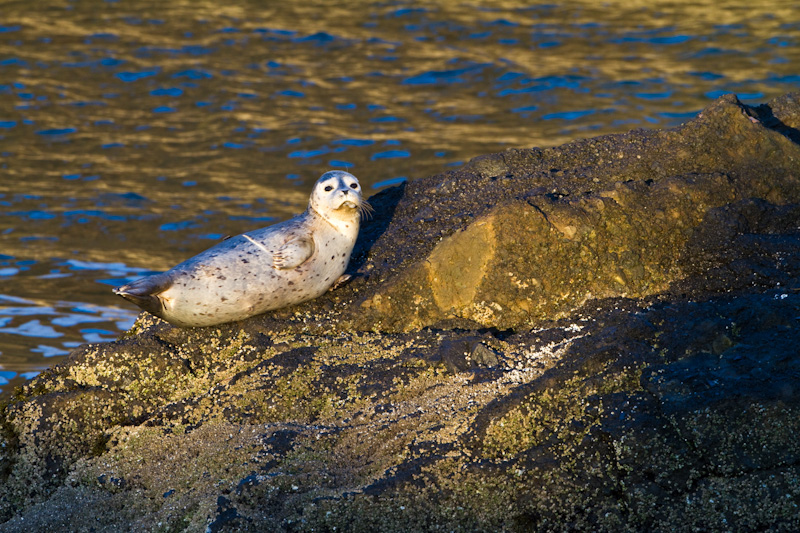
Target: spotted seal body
261	270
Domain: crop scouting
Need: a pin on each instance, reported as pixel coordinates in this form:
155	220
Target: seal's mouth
361	206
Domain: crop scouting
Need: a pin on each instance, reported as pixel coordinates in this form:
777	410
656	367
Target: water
136	134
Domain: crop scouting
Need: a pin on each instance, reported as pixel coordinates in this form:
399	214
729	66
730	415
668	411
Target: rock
596	337
526	236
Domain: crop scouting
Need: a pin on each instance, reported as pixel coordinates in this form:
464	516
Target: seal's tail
144	293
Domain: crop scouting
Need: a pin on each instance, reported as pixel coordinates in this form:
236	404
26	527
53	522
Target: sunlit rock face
596	337
517	238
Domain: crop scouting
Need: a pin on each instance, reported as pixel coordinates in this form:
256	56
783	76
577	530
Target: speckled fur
261	270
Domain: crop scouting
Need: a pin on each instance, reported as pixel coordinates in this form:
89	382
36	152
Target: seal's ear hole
354	185
329	188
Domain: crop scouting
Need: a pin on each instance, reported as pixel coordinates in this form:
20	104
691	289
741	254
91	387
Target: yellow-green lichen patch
544	415
561	414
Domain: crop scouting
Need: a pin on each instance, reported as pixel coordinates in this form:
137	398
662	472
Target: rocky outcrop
516	238
600	336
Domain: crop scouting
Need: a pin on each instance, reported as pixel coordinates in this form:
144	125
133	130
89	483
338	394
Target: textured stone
547	230
596	337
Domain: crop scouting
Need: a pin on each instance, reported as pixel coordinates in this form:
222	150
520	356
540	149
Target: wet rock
226	518
596	337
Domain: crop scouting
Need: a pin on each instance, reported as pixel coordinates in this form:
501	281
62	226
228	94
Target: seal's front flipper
293	253
144	292
343	279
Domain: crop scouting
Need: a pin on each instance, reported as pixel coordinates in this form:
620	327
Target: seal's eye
354	185
329	188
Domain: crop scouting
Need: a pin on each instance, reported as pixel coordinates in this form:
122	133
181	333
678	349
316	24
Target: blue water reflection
57	131
390	182
390	154
446	76
63	324
137	75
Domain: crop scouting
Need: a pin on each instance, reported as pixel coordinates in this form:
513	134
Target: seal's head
337	197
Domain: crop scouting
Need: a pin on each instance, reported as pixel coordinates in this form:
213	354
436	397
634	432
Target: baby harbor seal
261	270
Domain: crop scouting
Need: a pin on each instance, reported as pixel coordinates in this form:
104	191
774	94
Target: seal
258	271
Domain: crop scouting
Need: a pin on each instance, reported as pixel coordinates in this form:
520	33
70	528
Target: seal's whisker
365	210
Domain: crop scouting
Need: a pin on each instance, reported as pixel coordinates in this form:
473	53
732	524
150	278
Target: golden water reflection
135	134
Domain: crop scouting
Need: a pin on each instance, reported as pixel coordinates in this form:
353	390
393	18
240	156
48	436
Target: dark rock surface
601	336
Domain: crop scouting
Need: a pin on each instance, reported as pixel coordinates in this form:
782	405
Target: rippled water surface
135	134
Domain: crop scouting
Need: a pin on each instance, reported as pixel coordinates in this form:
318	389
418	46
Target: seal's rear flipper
144	293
